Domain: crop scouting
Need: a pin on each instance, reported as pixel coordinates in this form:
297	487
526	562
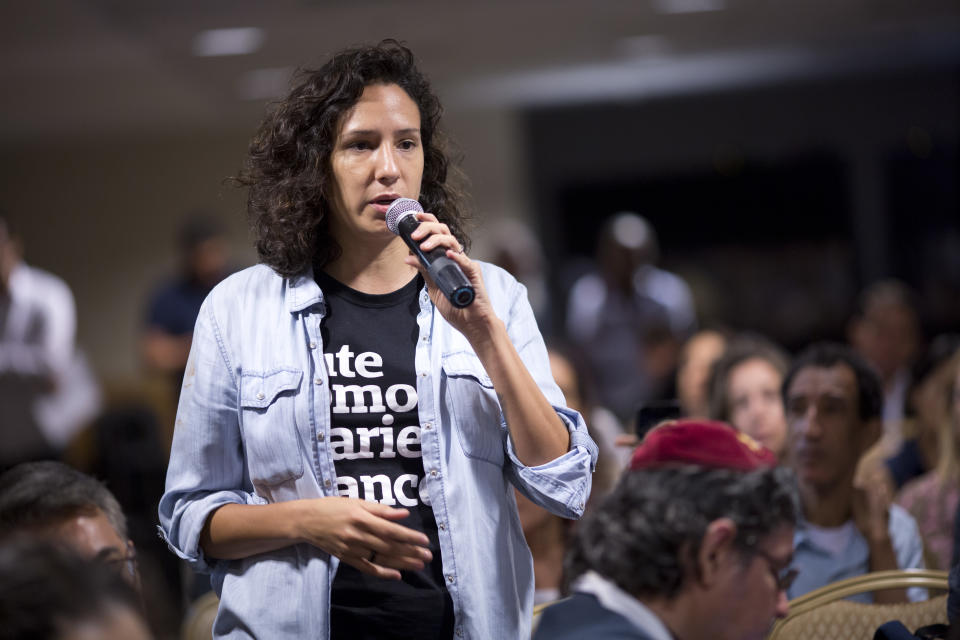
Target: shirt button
425	338
433	472
320	436
313	345
326	482
459	633
260	396
423	374
441	526
450	578
427	425
318	381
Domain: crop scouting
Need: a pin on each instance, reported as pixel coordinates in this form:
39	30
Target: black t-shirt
369	349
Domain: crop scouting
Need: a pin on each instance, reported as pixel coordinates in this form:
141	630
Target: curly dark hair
288	171
657	518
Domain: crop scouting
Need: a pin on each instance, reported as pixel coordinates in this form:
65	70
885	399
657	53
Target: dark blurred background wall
787	153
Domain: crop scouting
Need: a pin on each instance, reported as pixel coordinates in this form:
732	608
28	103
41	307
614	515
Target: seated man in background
833	402
173	307
693	543
53	501
50	593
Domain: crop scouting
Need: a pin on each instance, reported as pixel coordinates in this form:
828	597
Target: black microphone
447	274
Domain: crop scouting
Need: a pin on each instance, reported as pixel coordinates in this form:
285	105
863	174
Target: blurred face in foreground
92	536
115	622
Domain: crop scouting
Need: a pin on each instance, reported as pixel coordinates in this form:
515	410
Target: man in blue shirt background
834	407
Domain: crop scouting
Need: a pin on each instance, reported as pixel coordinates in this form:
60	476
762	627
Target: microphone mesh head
399	208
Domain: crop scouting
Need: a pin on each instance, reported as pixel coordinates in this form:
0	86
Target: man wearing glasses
53	501
695	542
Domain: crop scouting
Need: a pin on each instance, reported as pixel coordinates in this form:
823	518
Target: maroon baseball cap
703	443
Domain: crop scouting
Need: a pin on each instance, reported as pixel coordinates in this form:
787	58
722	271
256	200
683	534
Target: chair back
823	614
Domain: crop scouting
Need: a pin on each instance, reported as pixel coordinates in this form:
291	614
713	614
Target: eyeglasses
124	564
784	577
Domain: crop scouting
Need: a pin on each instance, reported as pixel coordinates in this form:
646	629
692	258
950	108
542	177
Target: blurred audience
697	358
886	332
933	498
48	592
173	308
515	247
745	390
53	501
694	543
547	534
615	314
833	401
928	410
47	392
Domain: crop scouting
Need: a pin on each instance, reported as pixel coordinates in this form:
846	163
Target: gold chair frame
876	581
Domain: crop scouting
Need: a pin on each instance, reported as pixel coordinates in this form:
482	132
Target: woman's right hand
363	534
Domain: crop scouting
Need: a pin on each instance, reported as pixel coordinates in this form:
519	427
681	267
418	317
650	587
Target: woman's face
756	408
697	356
377	158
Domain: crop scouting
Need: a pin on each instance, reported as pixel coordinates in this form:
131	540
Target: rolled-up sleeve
562	485
206	469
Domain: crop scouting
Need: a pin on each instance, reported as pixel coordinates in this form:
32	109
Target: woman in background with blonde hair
933	497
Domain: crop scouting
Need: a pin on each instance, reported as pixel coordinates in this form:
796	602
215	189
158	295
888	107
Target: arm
163	351
871	514
538	433
347	528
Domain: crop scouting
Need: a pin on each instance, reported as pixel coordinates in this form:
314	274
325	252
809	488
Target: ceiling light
227	42
687	6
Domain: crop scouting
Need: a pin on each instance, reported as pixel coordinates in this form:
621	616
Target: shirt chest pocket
474	407
268	421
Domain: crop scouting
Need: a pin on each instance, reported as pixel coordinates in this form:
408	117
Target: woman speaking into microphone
347	439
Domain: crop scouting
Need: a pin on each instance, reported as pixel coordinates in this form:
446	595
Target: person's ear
715	550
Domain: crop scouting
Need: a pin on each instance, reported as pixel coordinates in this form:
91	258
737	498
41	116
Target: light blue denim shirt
818	567
253	424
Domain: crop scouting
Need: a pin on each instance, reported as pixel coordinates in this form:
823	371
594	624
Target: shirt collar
616	599
303	291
